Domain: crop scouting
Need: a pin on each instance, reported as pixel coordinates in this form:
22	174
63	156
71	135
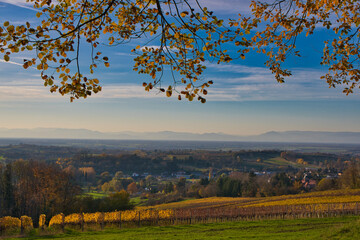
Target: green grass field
325	228
278	161
95	194
137	201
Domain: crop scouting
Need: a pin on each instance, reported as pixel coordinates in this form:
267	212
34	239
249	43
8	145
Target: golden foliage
9	223
56	220
309	200
42	221
286	20
187	39
322	197
129	216
97	217
218	206
111	217
166	213
26	222
74	218
199	203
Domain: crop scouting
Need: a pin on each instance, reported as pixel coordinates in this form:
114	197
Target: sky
244	100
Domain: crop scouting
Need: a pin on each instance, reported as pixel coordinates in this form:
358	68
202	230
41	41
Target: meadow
313	228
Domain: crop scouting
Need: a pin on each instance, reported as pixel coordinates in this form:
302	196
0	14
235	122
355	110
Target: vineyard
316	204
323	197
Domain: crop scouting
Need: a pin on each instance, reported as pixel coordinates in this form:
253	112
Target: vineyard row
132	218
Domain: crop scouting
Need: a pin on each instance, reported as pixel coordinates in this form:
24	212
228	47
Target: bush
26	222
9	224
42	221
56	220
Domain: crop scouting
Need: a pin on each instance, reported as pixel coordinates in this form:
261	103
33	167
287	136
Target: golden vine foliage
56	220
97	217
278	24
186	38
74	218
27	222
166	213
129	216
311	200
10	223
42	221
111	217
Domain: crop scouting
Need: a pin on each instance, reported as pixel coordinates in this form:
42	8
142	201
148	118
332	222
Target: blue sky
244	100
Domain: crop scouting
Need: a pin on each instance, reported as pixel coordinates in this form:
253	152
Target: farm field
313	228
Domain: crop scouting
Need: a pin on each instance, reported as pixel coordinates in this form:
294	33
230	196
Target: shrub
42	221
26	222
9	223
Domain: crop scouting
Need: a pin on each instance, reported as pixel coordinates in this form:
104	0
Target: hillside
320	198
226	215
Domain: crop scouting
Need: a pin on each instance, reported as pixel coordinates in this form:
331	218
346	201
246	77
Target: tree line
33	188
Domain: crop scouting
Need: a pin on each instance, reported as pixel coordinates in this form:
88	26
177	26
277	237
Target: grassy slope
95	194
326	228
278	161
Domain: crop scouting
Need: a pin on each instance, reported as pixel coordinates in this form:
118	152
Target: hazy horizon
271	136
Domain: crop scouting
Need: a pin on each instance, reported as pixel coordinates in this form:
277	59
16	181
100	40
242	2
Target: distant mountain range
286	136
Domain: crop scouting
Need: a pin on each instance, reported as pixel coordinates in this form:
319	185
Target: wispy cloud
252	74
127	91
151	46
231	83
25	82
228	6
271	92
20	3
11	62
260	91
32	89
15	63
25	93
236	68
124	54
244	83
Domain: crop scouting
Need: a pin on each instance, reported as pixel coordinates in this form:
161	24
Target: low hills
273	136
